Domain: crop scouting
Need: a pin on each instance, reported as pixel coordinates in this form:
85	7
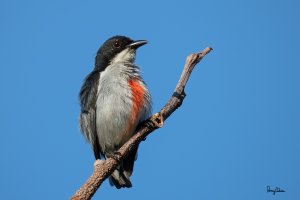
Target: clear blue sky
237	131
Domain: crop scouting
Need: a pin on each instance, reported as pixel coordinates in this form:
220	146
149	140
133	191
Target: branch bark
103	169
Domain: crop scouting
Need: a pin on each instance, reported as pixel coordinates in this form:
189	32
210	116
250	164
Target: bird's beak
136	44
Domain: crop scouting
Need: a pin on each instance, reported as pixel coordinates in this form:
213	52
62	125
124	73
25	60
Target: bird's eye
117	44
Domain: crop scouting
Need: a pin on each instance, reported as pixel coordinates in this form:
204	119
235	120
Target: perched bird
114	99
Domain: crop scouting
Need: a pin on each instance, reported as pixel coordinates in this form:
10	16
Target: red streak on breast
137	97
137	92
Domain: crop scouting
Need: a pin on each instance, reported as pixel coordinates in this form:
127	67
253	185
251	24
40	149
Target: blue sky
236	132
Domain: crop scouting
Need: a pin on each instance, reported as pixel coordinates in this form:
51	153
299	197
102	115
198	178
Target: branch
103	169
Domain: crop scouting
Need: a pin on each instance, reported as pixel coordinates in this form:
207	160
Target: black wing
87	119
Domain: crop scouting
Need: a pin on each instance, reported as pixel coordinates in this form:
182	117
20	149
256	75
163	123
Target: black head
112	47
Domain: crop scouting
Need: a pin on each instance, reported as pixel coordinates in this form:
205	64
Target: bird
114	99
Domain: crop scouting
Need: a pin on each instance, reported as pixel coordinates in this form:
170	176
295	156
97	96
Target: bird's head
117	49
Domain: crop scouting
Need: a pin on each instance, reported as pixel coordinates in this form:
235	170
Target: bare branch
103	169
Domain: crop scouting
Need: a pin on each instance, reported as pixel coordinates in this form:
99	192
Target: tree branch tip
207	50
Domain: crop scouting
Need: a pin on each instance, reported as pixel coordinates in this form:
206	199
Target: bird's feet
115	155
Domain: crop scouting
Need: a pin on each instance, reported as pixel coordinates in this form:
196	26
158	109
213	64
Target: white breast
113	108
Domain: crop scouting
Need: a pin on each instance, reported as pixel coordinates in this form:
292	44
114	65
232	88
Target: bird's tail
120	178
